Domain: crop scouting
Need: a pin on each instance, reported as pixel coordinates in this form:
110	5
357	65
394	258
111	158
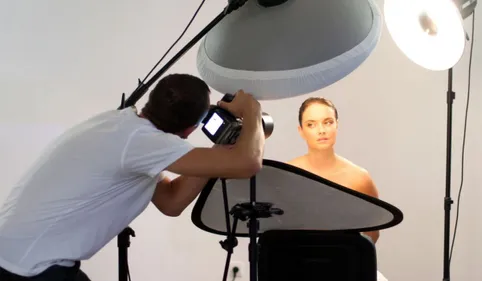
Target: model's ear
300	131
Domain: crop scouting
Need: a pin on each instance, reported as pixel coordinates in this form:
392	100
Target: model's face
319	126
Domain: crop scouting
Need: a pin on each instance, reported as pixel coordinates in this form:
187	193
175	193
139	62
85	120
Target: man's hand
242	105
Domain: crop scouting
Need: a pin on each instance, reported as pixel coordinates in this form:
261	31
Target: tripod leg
226	266
231	243
253	233
253	250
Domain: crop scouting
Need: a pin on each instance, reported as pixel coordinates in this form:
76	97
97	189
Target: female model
318	125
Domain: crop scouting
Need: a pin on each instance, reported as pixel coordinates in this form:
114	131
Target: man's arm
173	197
367	186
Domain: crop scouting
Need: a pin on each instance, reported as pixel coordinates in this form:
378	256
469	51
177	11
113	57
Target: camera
222	127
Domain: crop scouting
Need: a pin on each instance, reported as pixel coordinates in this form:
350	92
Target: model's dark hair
177	102
313	100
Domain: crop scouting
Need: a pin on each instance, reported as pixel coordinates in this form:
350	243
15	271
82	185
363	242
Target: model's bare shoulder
366	184
298	161
348	164
361	178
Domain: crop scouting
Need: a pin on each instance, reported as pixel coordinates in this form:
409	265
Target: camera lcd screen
214	123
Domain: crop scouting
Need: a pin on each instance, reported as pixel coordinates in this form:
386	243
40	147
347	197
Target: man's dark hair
177	102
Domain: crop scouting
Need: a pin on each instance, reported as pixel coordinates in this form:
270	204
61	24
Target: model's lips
322	139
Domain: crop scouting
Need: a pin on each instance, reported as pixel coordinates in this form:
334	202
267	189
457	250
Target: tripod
123	239
249	211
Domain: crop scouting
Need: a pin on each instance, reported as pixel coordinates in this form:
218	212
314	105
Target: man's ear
185	133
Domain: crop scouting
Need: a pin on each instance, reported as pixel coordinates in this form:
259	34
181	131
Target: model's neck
322	159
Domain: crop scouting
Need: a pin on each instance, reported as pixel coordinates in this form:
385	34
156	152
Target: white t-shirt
84	190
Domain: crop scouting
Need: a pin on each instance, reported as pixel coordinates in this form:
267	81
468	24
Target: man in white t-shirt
98	176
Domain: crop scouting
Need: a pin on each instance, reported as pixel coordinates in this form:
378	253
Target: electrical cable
175	42
165	54
464	135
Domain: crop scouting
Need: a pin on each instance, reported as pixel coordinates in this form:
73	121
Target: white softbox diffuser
295	48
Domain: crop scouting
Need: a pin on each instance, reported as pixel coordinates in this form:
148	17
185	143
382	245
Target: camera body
222	127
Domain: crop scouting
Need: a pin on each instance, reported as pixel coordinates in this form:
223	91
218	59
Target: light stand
249	211
454	11
448	175
466	8
123	238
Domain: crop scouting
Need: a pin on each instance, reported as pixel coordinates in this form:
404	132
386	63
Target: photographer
101	174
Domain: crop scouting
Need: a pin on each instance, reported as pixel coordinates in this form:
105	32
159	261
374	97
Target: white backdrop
64	61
